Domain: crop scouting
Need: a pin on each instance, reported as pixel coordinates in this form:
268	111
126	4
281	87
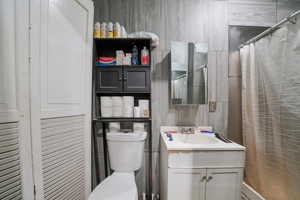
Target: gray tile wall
193	21
179	20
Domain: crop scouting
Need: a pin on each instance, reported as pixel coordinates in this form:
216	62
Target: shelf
99	66
117	77
113	119
108	93
127	43
122	39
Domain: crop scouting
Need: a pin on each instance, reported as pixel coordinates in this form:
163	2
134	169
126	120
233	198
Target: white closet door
61	72
16	180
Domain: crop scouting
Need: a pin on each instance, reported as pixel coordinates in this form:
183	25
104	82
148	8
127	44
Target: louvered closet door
15	154
63	159
10	173
61	72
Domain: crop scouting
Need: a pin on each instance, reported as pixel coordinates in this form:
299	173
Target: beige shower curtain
271	113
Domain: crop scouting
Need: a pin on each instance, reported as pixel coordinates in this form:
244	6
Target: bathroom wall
193	21
177	20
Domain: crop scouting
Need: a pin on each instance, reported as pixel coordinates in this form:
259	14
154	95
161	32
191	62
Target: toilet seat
118	186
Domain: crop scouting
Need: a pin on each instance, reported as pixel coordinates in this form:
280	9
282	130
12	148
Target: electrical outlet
212	106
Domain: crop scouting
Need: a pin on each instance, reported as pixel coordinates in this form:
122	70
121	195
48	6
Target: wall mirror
189	73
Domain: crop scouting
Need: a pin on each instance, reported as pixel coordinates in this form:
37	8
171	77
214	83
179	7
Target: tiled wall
193	21
178	20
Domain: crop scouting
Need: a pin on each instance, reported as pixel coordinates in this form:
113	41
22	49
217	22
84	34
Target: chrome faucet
187	130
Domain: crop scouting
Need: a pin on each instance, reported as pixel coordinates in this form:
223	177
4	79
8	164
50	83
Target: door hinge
34	191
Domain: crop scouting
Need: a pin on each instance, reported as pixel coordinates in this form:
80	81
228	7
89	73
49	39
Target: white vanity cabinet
201	174
204	184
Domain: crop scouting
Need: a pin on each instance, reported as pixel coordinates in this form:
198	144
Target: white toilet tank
126	150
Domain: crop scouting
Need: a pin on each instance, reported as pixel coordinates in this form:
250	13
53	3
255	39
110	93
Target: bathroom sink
196	139
198	150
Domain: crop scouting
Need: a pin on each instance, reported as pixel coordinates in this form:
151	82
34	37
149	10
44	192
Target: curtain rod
273	28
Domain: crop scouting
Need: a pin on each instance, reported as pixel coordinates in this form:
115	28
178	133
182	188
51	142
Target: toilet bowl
126	156
120	185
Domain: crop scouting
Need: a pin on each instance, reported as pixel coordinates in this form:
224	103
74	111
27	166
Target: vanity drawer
205	159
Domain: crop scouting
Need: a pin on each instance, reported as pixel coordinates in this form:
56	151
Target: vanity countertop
198	142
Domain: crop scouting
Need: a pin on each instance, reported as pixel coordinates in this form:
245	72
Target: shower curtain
271	113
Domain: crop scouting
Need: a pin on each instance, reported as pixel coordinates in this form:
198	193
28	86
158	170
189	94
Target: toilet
126	152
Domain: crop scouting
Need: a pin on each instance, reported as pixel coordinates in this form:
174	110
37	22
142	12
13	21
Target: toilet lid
118	186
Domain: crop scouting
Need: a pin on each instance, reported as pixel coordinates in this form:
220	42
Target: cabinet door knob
125	76
203	178
209	178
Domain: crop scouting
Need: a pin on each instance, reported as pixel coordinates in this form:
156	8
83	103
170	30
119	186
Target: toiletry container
97	30
144	56
110	30
127	59
144	108
136	112
120	57
123	32
117	30
103	30
135	55
126	152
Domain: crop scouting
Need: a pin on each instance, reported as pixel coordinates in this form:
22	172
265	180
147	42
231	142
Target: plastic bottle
123	32
103	30
127	59
110	30
117	30
144	56
135	55
97	30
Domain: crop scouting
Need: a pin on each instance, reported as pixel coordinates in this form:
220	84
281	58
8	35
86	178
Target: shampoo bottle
110	30
117	30
97	30
103	30
135	55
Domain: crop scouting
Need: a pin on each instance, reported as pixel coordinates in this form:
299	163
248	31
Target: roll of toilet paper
106	106
129	99
128	104
117	106
117	101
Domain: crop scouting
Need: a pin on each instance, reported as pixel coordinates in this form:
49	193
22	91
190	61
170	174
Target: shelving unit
121	80
124	66
123	119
